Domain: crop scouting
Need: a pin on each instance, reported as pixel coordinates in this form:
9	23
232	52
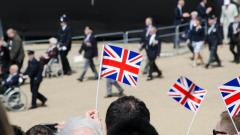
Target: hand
92	114
60	125
186	15
188	41
209	10
88	44
25	76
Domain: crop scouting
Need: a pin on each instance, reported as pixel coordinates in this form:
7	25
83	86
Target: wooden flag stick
99	77
190	125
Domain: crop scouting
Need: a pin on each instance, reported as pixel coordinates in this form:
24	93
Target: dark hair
126	108
132	127
40	130
17	130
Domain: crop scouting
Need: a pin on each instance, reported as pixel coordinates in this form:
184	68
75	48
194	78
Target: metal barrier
125	35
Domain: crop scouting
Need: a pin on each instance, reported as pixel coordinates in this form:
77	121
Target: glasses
218	132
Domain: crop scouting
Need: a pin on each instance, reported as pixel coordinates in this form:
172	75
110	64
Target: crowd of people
125	116
205	27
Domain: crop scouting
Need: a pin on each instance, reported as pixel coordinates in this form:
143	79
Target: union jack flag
187	94
230	92
121	64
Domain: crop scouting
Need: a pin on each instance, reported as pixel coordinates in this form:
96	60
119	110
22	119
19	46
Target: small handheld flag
187	94
121	64
230	93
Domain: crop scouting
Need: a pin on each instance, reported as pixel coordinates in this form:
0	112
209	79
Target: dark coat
233	37
89	51
154	50
144	38
202	11
12	82
215	37
65	38
16	50
178	16
34	70
197	35
4	56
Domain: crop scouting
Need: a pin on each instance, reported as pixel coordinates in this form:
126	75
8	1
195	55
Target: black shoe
149	78
207	66
108	96
69	73
80	79
32	107
44	102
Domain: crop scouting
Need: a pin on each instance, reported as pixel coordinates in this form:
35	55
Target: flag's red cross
123	66
188	94
232	99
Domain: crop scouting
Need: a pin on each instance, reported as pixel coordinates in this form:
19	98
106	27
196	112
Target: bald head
11	33
13	69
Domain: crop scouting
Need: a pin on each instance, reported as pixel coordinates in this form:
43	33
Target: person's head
126	108
181	3
225	124
30	54
212	20
153	30
88	30
53	42
13	69
132	127
11	33
194	15
63	20
81	126
204	1
5	127
149	21
40	130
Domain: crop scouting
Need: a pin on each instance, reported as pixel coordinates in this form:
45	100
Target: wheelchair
14	99
53	68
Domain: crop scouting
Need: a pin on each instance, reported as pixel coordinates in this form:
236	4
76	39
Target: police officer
34	72
145	39
233	35
153	51
214	39
89	47
65	43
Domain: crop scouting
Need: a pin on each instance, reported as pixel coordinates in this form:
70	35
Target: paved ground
69	98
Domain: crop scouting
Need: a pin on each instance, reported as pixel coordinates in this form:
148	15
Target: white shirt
87	38
64	27
235	27
211	28
152	40
148	30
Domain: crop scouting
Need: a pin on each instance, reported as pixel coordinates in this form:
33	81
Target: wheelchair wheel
16	100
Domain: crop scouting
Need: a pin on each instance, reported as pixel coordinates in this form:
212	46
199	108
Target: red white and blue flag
230	92
121	64
187	94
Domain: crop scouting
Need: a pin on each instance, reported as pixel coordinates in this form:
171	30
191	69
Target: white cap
53	41
227	2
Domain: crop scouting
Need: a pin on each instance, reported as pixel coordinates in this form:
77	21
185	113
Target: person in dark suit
34	72
214	39
16	48
145	39
233	35
65	41
153	51
90	49
12	80
4	58
203	11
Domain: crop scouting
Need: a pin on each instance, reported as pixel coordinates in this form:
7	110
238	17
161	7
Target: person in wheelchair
52	52
11	81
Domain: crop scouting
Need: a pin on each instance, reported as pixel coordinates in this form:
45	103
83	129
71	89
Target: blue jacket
13	81
197	35
34	70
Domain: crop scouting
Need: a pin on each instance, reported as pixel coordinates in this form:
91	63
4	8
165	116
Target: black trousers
153	68
65	63
236	54
213	54
35	93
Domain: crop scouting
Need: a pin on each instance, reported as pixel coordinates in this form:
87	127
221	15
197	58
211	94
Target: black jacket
153	50
197	35
144	38
16	50
202	11
179	19
4	55
65	38
34	70
215	37
91	50
233	37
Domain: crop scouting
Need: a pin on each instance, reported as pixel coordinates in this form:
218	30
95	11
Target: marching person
233	35
153	51
214	39
145	40
4	58
16	48
65	44
34	72
197	37
111	83
90	49
229	11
